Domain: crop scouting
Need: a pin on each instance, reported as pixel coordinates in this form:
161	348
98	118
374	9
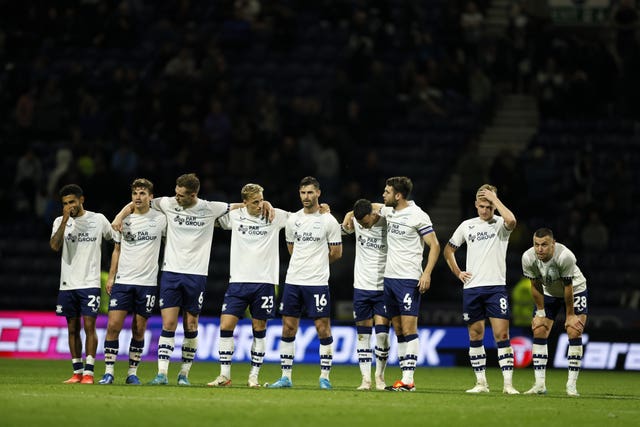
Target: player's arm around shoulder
280	217
347	223
377	207
224	221
335	252
289	233
334	238
127	210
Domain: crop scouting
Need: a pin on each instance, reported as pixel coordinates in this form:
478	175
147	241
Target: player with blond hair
254	273
185	267
484	293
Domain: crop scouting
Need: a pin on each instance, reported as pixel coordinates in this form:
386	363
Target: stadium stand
384	85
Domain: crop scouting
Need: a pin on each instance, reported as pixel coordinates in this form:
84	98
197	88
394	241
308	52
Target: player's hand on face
268	211
67	211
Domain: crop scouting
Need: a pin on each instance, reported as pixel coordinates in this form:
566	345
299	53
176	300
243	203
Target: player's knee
323	332
113	331
288	330
501	336
170	325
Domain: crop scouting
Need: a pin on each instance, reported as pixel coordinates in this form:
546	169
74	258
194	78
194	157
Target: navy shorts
133	299
555	305
483	302
366	304
257	296
314	300
182	290
77	302
402	297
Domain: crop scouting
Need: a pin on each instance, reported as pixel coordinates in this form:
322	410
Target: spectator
28	179
549	88
625	20
64	157
182	65
25	109
472	25
595	235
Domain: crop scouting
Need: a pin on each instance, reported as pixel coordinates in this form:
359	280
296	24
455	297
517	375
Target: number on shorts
407	299
151	301
321	299
503	304
201	298
94	301
267	302
580	302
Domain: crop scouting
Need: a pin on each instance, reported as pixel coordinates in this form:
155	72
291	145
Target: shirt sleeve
225	221
288	231
334	234
157	204
457	239
218	208
385	211
424	225
281	218
109	233
503	231
56	225
567	265
529	269
163	222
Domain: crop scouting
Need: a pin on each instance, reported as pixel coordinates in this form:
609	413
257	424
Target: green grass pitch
31	394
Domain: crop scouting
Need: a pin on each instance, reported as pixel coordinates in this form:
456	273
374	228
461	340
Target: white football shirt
189	234
562	265
371	255
487	243
140	243
405	231
81	249
311	235
255	251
